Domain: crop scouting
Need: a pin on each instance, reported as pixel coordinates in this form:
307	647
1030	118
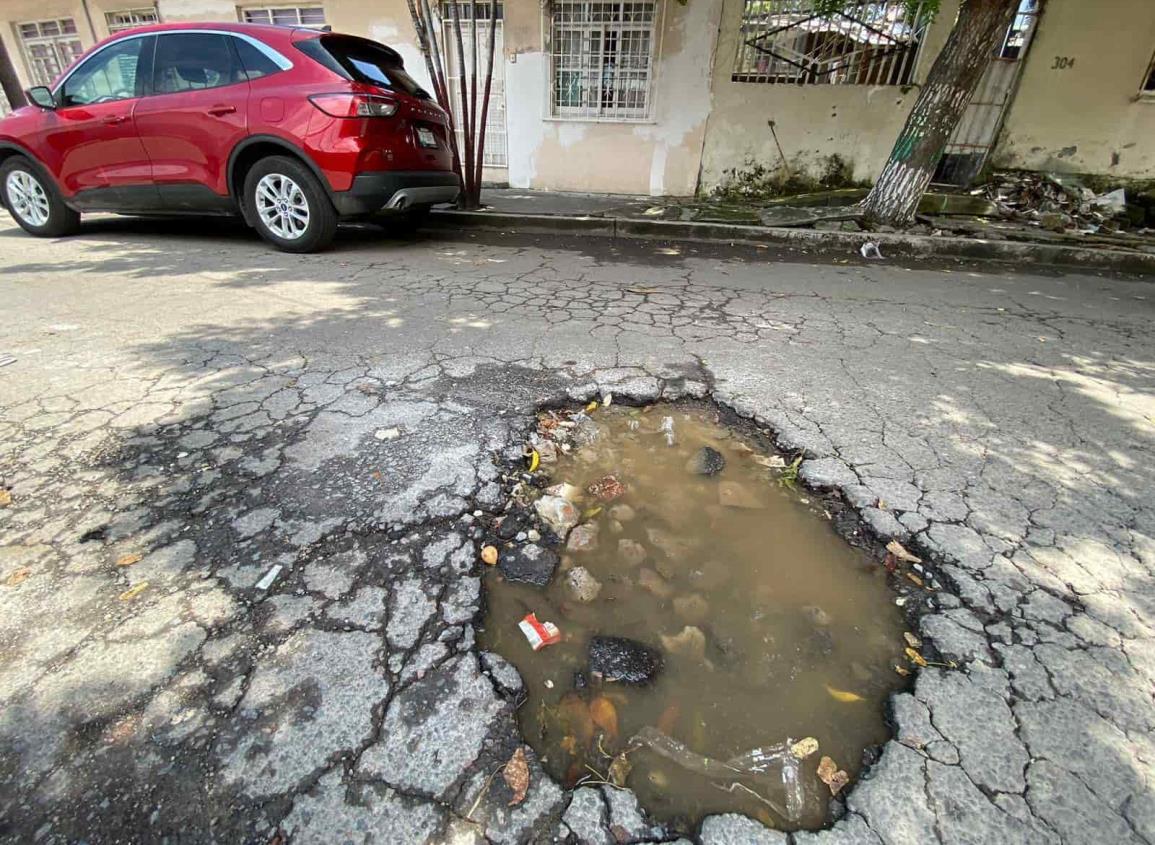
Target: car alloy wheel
27	197
282	206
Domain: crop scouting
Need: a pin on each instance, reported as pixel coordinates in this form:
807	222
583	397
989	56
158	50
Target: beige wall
856	122
1085	117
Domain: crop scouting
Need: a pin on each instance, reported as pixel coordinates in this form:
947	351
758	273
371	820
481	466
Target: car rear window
362	61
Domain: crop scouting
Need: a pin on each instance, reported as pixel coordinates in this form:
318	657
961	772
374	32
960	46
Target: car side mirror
41	96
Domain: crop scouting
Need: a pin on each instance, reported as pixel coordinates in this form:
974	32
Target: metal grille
496	145
49	48
971	142
130	18
601	59
312	16
786	41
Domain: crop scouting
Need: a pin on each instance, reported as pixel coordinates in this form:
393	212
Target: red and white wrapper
539	634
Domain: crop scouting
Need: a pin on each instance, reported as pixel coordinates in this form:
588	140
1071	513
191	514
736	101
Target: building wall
1078	107
857	123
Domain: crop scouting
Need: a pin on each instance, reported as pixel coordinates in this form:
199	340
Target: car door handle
114	119
221	111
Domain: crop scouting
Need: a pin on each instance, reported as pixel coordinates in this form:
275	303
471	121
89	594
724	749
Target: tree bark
9	83
480	163
466	124
940	105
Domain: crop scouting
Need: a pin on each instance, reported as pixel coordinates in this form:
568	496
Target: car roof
223	26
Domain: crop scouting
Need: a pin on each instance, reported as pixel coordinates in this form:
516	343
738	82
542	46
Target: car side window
108	76
192	61
255	63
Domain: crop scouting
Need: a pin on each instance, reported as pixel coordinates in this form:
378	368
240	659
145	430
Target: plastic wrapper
772	773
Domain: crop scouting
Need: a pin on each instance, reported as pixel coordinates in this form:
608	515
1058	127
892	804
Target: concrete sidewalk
624	216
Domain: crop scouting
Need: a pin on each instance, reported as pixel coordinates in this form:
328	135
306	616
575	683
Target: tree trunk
941	101
480	163
466	125
9	84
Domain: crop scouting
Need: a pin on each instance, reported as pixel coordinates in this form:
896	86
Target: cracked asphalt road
182	394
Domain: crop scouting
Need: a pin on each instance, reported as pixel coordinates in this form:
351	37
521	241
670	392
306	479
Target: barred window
311	16
130	18
786	41
49	47
601	59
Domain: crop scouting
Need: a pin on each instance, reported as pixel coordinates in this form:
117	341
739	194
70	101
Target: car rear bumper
397	191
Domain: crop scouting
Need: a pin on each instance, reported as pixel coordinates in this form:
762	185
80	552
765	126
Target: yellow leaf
590	513
620	769
843	696
129	559
902	670
832	776
914	579
915	657
534	460
133	592
803	748
592	406
5	498
516	776
18	577
912	640
899	551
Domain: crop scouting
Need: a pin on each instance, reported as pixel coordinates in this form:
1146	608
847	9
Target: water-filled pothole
712	623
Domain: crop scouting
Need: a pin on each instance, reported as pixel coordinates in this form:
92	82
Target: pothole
719	646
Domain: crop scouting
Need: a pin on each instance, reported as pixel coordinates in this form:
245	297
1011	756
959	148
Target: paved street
184	394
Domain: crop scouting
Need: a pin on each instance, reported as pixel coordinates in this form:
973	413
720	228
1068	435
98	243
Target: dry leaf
770	461
642	290
843	696
911	639
18	577
133	592
803	748
489	555
5	497
605	716
902	670
832	776
516	776
915	657
620	769
129	559
914	579
899	551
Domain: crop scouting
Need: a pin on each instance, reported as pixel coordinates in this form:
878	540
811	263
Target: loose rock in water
529	564
584	586
623	661
583	538
706	461
559	514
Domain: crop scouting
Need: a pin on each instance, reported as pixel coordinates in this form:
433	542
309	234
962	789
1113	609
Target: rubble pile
1057	203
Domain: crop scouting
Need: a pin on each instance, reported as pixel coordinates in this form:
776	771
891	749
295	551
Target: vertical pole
9	82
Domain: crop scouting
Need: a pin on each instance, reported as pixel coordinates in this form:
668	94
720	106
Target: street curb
892	245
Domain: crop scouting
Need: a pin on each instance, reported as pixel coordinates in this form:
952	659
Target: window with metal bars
49	47
310	16
601	59
786	41
130	18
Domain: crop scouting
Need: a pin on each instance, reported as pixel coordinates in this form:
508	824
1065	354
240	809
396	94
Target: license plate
425	137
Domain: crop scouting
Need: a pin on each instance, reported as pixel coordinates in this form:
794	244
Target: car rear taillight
354	105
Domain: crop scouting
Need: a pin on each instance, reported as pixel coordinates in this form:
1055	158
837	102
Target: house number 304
1062	63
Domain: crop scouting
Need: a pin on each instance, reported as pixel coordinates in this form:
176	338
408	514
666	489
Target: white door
496	155
971	143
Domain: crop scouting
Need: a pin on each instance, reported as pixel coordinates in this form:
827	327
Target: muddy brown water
799	632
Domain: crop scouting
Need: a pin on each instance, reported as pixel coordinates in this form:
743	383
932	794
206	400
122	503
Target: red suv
289	128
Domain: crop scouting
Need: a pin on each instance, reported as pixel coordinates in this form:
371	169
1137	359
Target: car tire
33	201
288	206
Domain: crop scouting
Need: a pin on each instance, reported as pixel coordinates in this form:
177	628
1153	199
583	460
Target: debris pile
1057	203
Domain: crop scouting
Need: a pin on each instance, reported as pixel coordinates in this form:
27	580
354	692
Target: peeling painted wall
658	157
1078	107
859	123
